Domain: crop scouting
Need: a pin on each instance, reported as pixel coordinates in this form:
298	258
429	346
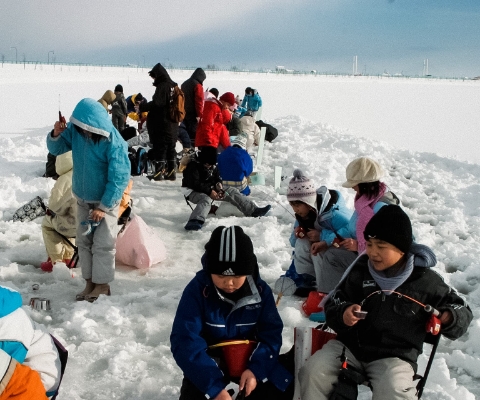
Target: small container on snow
40	303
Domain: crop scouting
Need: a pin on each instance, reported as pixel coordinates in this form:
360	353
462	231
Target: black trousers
191	127
263	391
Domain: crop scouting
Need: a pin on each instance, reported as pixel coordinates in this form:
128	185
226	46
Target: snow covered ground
119	346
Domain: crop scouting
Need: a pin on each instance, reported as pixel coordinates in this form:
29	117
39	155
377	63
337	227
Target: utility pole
48	56
15	53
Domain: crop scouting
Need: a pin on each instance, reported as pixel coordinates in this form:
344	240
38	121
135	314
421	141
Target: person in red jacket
211	131
193	91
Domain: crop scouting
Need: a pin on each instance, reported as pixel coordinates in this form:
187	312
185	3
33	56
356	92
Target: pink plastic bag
139	246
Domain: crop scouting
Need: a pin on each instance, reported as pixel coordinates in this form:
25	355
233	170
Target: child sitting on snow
319	215
228	300
393	283
235	165
61	216
203	184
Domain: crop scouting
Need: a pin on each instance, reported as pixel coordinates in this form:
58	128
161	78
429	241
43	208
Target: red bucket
311	305
236	354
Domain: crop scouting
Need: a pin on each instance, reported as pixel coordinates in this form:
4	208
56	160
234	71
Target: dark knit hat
138	97
230	252
207	155
214	91
228	97
391	225
118	88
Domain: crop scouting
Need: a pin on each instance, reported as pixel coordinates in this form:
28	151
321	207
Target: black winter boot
159	173
170	174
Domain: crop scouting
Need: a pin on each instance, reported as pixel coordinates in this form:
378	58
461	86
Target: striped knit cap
302	189
230	252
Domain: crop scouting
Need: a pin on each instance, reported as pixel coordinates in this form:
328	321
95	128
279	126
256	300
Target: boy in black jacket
392	283
203	185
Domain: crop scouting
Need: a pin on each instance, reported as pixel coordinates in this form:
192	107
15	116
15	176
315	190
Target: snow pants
96	251
327	267
391	378
118	121
232	196
306	263
57	248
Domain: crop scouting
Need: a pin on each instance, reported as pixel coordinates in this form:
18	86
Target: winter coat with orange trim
26	341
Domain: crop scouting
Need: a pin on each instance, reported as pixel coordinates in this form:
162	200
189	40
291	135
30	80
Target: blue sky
387	35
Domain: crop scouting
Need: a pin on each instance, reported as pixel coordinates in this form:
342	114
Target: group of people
381	288
366	258
94	170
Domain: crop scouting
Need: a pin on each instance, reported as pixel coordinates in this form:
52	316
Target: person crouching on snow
392	283
203	184
101	172
228	300
320	214
235	165
61	216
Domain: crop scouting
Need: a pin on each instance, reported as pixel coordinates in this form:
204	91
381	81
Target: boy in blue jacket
228	300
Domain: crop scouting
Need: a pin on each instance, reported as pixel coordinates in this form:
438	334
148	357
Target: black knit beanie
230	252
118	88
391	225
208	155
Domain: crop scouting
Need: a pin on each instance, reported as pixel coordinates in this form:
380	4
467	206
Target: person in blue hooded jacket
101	171
228	300
251	101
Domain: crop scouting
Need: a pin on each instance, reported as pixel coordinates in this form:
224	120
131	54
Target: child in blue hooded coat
101	171
228	300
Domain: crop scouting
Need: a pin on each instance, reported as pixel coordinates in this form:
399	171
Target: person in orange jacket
18	381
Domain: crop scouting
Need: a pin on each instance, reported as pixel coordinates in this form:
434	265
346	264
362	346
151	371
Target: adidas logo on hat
228	272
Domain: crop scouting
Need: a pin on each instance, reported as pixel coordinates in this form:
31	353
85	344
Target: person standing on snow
101	172
119	109
163	132
192	88
211	131
252	101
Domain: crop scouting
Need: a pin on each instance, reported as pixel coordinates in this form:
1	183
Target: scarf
364	209
392	282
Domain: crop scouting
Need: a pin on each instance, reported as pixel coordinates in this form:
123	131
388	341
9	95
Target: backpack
271	132
177	105
138	161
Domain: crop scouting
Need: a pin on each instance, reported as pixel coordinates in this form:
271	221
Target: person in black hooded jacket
193	91
162	130
391	285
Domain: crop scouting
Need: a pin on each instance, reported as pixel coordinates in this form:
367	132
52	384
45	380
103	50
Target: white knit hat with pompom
301	188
